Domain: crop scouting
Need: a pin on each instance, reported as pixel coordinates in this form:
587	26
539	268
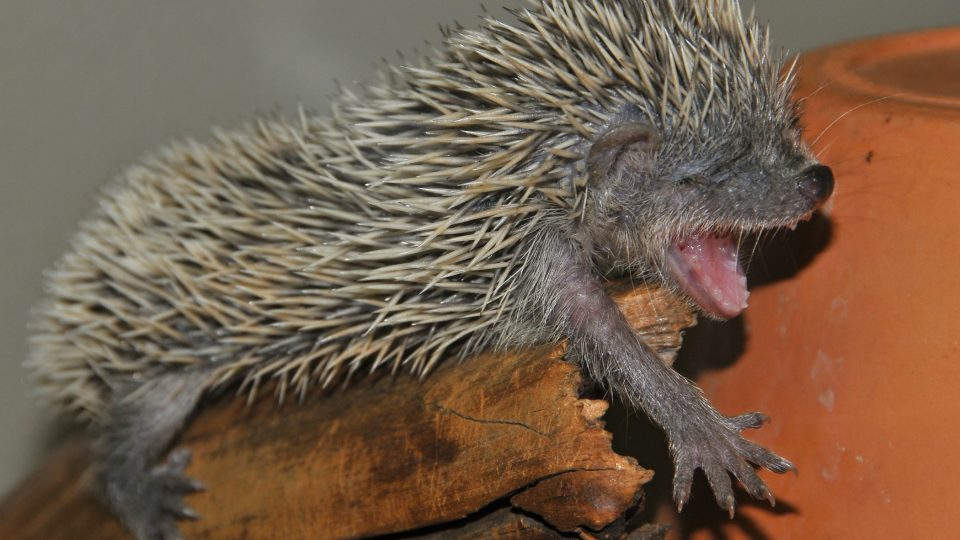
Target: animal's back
283	251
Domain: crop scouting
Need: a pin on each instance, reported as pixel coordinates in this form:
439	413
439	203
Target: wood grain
497	443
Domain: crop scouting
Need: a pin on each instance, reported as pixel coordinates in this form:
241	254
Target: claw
752	482
753	420
776	463
765	458
176	483
681	498
719	481
179	459
185	512
682	482
195	486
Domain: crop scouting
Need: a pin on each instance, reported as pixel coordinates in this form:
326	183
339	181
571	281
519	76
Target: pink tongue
707	269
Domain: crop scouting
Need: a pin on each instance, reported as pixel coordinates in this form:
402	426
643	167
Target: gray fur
474	201
143	420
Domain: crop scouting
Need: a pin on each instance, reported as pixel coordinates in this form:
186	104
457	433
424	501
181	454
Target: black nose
816	184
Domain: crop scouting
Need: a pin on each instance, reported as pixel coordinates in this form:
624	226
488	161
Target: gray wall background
88	87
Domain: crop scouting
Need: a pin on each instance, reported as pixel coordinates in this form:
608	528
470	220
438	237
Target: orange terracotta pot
855	357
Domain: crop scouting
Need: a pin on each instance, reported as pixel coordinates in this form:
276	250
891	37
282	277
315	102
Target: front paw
714	444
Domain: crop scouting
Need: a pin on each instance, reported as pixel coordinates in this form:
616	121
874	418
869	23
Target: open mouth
707	268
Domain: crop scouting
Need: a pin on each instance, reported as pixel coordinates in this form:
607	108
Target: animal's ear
607	149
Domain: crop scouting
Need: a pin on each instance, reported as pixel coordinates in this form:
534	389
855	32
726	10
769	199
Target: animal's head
680	208
701	148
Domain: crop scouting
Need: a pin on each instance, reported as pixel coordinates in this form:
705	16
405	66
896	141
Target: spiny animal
477	199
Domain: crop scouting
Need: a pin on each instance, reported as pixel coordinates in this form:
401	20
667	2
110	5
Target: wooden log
494	446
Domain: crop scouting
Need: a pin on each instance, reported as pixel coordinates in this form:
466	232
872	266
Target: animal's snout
816	184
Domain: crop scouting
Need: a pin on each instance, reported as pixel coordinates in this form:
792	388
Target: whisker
753	250
858	107
815	92
824	149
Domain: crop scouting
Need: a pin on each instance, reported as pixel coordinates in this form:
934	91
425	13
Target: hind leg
141	425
